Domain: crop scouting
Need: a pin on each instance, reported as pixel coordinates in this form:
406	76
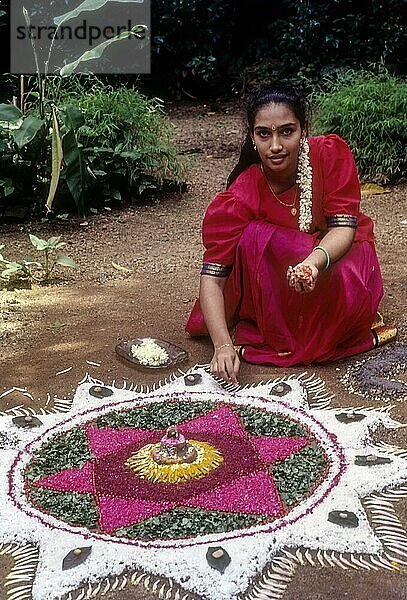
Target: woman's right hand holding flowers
302	277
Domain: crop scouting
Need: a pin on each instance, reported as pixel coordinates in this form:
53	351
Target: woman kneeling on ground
290	261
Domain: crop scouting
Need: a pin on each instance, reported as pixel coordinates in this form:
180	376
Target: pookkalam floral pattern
42	463
242	484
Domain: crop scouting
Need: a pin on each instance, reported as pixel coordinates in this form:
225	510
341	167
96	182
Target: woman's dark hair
260	96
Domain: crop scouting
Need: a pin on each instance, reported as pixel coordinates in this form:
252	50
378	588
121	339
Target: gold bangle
223	346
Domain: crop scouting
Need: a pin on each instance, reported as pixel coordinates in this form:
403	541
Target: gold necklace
290	206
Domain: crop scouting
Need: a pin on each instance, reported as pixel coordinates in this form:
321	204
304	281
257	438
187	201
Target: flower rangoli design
267	471
243	482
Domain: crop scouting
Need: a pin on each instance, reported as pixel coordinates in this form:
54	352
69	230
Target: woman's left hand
302	277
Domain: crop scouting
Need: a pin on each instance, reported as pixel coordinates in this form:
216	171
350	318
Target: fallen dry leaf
373	188
121	268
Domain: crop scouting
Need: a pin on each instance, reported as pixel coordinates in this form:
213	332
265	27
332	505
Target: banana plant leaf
87	5
97	52
76	174
57	157
76	557
27	421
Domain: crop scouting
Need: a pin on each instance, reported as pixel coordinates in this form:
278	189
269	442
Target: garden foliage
125	136
203	46
82	138
76	137
59	134
368	109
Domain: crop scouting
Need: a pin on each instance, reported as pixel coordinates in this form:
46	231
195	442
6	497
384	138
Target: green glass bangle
328	258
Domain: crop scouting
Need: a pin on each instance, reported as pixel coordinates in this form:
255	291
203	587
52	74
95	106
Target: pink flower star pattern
241	484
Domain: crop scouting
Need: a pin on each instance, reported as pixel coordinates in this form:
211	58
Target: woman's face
277	134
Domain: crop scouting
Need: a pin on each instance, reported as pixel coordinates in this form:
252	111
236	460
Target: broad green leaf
27	132
76	174
97	52
65	261
53	241
134	154
57	157
32	38
72	117
12	267
87	5
38	243
10	113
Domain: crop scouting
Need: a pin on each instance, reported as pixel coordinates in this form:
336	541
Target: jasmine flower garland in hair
304	180
149	353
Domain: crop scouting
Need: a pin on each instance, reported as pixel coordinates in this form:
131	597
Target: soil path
79	320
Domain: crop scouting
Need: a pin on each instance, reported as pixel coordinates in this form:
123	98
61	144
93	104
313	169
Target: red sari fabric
248	227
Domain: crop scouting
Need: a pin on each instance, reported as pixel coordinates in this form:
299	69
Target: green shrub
111	142
368	110
127	139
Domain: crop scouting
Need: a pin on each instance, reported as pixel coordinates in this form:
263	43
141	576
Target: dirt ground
80	318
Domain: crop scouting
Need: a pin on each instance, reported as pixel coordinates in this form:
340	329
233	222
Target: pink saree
277	325
249	230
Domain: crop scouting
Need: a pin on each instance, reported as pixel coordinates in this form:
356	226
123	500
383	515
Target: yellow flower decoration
143	464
